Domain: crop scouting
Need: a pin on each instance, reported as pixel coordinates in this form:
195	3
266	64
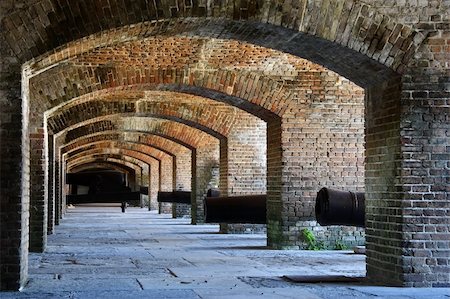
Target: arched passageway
305	70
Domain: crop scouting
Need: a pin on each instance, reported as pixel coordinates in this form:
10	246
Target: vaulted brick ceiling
172	78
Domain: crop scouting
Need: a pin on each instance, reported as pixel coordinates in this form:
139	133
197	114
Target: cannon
212	193
143	190
175	197
236	209
335	207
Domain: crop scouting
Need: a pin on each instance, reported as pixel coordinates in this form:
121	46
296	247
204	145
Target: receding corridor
99	252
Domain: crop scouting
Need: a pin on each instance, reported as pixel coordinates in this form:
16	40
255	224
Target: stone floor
99	252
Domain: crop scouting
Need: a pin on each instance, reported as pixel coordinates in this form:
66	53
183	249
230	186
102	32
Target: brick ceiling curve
158	141
117	159
123	147
49	24
212	117
104	165
134	158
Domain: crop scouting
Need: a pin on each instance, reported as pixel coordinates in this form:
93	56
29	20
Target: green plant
340	246
310	240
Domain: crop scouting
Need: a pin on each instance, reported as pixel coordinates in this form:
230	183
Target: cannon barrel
143	190
212	193
335	207
175	197
236	209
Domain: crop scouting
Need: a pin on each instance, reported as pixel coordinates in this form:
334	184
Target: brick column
182	182
275	237
50	185
408	237
57	192
38	194
383	189
14	175
64	189
144	183
205	175
153	186
166	183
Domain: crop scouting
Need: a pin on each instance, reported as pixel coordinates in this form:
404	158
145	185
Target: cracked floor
99	252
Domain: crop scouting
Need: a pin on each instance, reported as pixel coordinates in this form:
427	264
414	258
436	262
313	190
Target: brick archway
354	25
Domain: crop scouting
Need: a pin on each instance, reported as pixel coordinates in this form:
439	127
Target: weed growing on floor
310	240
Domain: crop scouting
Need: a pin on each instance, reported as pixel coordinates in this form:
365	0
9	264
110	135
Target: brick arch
157	178
171	131
258	95
138	151
349	24
133	138
123	161
106	165
97	158
129	171
135	157
214	118
128	158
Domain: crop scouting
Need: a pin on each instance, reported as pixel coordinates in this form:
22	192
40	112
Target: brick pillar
14	175
144	183
243	163
205	175
50	185
143	179
182	181
275	237
408	236
154	186
383	189
64	189
57	192
166	183
38	200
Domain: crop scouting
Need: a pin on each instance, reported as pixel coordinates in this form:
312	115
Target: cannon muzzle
335	207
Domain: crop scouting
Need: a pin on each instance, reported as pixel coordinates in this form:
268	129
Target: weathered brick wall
166	183
182	182
383	206
205	175
183	171
246	155
323	146
243	165
425	154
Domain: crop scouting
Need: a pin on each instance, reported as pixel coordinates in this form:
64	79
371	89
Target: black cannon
143	190
103	186
335	207
236	209
175	197
213	193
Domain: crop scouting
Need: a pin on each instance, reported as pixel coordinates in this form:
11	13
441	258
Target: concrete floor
99	252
